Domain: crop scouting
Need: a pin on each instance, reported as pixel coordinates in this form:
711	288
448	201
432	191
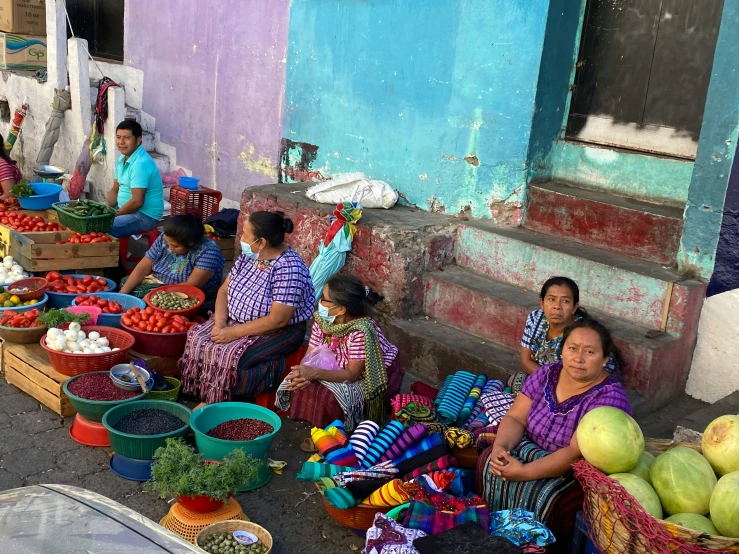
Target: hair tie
366	290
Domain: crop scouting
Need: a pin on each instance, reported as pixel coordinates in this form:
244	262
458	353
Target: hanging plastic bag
350	187
322	357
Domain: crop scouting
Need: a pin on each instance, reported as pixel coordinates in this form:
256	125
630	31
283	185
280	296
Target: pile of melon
700	492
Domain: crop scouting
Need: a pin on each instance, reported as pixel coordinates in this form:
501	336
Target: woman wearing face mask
260	317
368	367
181	255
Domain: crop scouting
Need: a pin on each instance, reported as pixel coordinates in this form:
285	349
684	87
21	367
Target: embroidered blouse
552	424
173	269
351	347
255	286
9	171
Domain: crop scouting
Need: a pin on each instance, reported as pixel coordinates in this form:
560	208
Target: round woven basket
235	525
187	524
616	528
358	519
466	457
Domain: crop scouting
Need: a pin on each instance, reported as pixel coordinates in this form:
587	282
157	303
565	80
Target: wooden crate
6	232
40	252
27	367
227	247
165	366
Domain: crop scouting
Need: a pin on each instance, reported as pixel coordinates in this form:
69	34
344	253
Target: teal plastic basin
142	447
94	410
208	417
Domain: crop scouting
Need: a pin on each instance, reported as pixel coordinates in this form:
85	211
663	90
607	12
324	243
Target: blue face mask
323	312
246	249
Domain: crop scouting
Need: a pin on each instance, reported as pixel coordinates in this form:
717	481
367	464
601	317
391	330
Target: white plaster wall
715	370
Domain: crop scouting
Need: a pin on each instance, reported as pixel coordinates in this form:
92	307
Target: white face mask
246	249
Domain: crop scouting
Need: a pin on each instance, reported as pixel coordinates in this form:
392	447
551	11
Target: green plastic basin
206	418
94	410
142	447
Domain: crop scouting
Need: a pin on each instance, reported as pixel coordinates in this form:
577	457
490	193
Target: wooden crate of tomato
24	221
75	285
61	250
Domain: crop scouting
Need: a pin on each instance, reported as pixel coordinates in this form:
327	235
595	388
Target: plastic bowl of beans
93	394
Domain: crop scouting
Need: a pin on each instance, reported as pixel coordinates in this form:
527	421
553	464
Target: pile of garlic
10	272
75	341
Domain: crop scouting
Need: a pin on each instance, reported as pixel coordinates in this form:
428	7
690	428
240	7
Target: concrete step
497	311
162	161
646	231
627	288
149	142
432	350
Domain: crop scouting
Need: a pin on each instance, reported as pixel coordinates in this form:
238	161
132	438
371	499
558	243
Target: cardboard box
23	16
22	52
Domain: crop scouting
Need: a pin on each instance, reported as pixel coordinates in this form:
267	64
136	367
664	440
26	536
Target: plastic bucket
189	183
125	300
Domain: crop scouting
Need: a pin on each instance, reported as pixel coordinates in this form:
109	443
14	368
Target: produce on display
75	285
173	300
24	223
642	467
10	204
10	300
89	238
151	421
58	317
20	320
10	271
725	505
641	491
720	444
225	543
695	522
242	429
155	321
106	306
75	341
22	190
610	440
684	481
87	208
98	386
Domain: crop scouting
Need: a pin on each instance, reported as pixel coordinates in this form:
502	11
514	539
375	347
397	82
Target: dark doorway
643	73
100	22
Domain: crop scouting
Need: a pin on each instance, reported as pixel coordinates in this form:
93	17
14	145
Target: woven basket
77	364
615	529
359	518
187	524
235	525
84	225
466	457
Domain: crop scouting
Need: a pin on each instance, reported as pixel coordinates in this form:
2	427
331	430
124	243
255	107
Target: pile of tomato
75	285
20	321
28	223
155	321
93	237
107	306
10	205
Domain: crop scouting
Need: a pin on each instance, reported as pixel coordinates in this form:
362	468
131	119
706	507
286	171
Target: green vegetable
179	471
224	542
22	190
173	301
57	317
87	208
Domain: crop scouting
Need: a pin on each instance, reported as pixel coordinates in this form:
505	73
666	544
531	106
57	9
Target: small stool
151	235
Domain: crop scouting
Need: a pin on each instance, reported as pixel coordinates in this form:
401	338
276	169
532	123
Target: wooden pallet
27	367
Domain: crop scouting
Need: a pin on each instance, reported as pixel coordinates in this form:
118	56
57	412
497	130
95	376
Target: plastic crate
204	201
581	543
84	225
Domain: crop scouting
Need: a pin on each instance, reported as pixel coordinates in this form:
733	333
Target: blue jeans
132	224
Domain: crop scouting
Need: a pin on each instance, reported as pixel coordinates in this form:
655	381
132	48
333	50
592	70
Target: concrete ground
35	448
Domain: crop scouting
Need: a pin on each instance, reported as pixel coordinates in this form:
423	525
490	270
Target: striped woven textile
313	471
496	404
409	438
421	459
478	418
391	494
332	449
362	438
385	470
472	400
442	464
426	444
337	430
402	400
340	498
382	442
454	397
442	391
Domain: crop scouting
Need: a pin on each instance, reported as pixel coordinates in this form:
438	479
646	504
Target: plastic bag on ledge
349	187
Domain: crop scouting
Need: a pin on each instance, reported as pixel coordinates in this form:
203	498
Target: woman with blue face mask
260	317
368	369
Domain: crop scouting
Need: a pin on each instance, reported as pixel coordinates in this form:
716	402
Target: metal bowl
49	171
117	371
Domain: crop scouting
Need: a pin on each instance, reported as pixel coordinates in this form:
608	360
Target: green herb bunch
57	317
180	471
21	190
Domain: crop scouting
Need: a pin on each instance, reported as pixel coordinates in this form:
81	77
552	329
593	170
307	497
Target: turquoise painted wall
717	149
436	98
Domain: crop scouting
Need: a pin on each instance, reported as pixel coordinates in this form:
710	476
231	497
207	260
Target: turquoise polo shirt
140	172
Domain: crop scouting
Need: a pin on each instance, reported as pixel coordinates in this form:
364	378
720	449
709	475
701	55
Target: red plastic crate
203	202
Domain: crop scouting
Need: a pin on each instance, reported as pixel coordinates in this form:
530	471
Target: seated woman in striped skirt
368	371
528	465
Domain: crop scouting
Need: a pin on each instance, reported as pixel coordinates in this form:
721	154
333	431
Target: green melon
610	439
720	444
642	468
684	481
695	522
641	491
725	505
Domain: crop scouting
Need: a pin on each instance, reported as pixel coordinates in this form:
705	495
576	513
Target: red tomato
115	308
167	329
126	320
150	328
136	309
106	310
73	289
87	280
142	325
101	302
102	282
79	300
136	319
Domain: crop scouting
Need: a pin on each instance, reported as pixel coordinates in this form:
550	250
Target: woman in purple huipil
528	466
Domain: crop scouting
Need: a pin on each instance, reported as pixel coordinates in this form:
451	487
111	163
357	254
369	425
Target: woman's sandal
308	446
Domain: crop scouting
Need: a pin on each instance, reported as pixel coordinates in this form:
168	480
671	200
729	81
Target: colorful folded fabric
472	398
520	527
364	489
496	404
382	442
435	512
313	471
485	437
324	441
332	448
401	400
325	483
442	464
362	437
442	391
478	418
421	459
410	437
458	438
340	498
315	458
426	444
337	430
439	480
387	536
415	413
389	495
386	470
454	397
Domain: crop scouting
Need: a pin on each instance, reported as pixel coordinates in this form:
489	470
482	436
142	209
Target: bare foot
201	405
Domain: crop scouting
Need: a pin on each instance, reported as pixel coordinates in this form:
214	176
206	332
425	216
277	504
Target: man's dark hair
131	125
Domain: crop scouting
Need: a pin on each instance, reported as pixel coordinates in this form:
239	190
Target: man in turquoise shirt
137	188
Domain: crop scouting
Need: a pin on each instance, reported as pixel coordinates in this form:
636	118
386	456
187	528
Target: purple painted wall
214	78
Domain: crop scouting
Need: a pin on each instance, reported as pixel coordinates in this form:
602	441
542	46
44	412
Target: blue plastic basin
125	300
189	183
65	299
46	195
